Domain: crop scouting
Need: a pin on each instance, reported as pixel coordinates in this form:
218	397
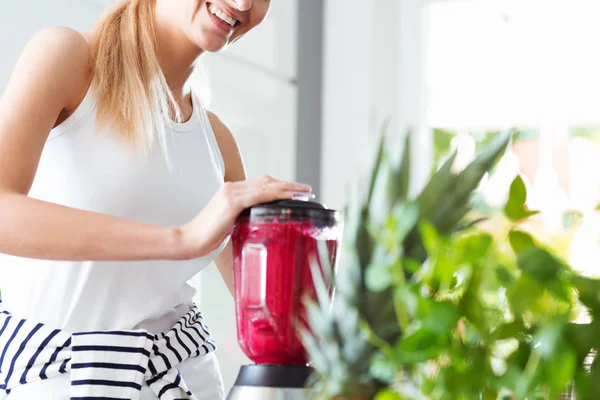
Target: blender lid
292	209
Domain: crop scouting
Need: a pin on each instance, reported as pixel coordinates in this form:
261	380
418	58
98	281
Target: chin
212	45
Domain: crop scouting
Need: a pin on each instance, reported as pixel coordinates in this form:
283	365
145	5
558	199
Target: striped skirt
101	364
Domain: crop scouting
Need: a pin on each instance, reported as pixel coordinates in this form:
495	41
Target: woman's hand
213	224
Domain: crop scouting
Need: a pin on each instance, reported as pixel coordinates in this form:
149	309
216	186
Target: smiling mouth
221	19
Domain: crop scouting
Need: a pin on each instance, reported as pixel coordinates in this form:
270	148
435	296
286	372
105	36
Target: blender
276	246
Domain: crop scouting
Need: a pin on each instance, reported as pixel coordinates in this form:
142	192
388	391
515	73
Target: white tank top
86	169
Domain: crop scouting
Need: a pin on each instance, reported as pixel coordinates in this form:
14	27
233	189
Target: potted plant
430	305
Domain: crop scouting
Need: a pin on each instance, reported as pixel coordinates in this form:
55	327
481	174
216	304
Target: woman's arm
49	80
234	172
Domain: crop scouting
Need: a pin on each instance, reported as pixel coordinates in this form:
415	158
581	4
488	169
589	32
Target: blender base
271	382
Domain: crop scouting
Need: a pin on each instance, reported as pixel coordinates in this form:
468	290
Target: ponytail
132	93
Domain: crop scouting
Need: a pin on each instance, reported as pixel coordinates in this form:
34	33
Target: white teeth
222	15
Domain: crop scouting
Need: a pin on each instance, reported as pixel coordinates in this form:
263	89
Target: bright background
456	66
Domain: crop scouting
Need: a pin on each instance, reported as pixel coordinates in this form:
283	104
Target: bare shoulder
222	132
47	80
62	36
59	55
61	43
234	165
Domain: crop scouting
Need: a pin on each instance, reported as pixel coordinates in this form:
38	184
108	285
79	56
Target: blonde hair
132	94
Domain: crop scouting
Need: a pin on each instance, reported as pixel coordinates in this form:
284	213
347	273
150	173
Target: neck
177	55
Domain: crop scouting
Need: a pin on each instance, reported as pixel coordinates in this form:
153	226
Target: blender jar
274	245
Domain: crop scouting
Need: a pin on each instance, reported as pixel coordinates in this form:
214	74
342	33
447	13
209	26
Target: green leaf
411	266
390	184
379	277
445	199
382	368
438	316
540	264
471	305
318	359
380	204
401	174
406	216
494	147
589	292
379	160
442	144
483	139
505	276
422	345
524	294
562	368
594	380
548	338
518	192
519	240
519	358
507	331
317	270
384	255
387	394
489	394
438	183
523	215
468	224
409	299
560	290
583	337
515	208
363	240
474	247
431	240
318	319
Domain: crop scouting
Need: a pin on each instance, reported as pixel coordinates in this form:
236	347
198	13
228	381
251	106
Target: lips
222	19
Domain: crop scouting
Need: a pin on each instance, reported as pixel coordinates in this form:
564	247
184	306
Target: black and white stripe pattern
104	364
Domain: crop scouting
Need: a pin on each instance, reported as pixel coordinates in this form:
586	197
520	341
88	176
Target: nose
243	5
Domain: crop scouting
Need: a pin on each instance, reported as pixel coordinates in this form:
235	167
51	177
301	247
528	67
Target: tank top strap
208	131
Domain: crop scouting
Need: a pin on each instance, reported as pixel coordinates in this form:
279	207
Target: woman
108	205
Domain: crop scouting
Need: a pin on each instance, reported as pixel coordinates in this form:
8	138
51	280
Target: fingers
268	183
287	187
251	192
250	199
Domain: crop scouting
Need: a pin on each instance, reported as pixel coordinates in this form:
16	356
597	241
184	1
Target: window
532	65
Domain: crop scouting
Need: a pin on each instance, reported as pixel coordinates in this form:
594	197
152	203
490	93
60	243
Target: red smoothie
272	277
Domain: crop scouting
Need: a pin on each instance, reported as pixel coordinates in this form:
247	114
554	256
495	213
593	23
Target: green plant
442	144
380	233
429	305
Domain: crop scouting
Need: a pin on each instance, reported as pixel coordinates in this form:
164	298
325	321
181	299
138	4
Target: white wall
20	19
370	74
346	105
251	92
